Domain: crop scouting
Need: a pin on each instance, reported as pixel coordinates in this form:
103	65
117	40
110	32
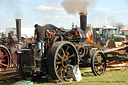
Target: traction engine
63	50
8	48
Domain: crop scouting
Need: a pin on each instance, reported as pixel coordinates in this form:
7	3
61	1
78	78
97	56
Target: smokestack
18	29
83	21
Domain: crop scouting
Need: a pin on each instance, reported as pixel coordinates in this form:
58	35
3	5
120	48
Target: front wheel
98	63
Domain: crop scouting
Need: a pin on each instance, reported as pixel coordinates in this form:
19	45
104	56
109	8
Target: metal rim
65	56
98	63
4	59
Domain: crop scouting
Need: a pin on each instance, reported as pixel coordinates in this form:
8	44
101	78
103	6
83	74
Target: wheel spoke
57	66
68	53
69	61
96	68
69	65
2	60
101	68
98	60
70	56
61	73
3	56
59	62
63	51
3	64
96	64
66	49
102	63
1	67
59	69
59	56
64	71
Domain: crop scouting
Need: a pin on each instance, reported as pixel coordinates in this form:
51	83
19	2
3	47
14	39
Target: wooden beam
113	49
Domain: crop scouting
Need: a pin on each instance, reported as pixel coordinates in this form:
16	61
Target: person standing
109	38
39	37
125	42
102	43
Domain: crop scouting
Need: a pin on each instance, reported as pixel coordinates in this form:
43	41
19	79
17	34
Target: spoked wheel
81	51
62	56
98	63
4	58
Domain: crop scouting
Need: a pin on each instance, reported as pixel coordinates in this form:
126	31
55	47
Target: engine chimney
18	29
83	21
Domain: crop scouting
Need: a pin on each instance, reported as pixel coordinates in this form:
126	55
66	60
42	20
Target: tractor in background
105	33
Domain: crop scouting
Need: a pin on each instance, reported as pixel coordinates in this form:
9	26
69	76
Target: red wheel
15	55
4	59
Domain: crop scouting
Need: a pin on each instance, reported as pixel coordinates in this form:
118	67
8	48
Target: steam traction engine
63	50
9	47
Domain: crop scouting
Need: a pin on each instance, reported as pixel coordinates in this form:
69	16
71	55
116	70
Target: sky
54	12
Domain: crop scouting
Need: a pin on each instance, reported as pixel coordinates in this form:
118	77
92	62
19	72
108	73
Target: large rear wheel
62	56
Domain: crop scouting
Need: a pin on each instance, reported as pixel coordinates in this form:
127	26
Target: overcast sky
62	13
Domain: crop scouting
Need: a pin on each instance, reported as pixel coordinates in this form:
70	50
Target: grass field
119	77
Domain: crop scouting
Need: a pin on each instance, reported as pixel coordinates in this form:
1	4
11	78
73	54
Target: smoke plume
74	6
114	22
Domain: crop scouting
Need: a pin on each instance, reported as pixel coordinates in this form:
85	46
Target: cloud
60	17
46	8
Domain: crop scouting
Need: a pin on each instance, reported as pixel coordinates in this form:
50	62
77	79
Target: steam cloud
74	6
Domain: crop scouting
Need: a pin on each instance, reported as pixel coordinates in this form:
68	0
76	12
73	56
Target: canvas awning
124	28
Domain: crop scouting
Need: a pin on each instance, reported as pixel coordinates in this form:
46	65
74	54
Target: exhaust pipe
83	22
18	29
